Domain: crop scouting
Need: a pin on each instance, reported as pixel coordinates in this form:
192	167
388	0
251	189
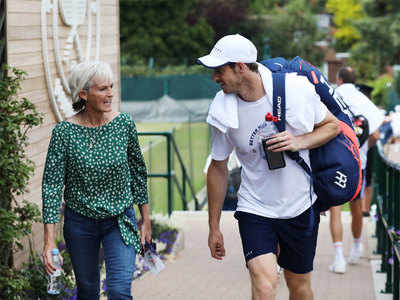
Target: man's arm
373	138
322	133
217	176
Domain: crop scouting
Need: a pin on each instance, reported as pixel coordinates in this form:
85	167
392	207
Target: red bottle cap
268	117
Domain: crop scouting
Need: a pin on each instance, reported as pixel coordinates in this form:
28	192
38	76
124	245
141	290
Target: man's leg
339	263
366	201
263	276
259	241
299	286
298	241
335	224
356	228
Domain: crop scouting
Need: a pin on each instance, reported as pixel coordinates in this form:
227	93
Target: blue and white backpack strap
279	110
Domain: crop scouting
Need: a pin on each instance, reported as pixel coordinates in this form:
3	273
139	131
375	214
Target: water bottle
54	285
267	130
151	259
275	160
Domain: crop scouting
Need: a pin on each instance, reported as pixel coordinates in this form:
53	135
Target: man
271	209
359	104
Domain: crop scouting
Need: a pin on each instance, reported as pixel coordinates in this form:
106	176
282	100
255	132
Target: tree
265	7
288	27
380	31
222	15
163	30
293	31
345	13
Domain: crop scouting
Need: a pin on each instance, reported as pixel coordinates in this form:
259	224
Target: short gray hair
81	78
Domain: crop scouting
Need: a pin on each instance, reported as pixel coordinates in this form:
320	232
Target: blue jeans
83	236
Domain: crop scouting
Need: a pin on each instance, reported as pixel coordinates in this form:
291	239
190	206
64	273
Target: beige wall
24	38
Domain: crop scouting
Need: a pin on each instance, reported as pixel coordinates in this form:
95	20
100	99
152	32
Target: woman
95	158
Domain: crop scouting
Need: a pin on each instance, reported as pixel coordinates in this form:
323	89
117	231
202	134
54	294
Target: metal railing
170	175
387	198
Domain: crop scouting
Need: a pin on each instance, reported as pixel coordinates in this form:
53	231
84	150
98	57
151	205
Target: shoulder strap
279	110
279	100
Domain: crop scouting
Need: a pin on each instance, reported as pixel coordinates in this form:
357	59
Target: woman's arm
49	244
52	186
137	167
138	172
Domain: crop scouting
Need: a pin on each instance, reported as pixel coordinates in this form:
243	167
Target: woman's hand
145	229
47	259
48	246
145	232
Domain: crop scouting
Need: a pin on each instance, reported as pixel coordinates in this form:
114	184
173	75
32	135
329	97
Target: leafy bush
379	94
17	117
396	83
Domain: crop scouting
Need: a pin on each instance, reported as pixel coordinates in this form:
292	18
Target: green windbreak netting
141	88
192	87
394	99
178	87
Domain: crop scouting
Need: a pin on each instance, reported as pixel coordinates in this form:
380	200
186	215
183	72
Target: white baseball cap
230	48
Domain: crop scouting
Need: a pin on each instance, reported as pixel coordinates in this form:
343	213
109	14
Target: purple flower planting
61	246
168	238
104	285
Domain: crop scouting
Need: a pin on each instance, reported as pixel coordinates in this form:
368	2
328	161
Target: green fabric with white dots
99	182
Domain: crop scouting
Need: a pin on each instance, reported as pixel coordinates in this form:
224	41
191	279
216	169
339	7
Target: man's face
227	78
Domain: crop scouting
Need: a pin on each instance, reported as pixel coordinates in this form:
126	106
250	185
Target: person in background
366	198
95	162
271	210
359	104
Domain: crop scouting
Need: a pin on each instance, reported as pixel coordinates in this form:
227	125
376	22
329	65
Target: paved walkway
194	275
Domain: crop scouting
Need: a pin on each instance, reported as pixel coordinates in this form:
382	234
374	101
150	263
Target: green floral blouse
101	171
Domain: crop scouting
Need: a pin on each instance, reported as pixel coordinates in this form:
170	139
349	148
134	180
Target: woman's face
100	95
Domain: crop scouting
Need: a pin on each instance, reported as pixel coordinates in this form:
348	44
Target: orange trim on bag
315	78
350	134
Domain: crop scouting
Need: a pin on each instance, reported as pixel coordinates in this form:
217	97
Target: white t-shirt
361	105
282	193
395	116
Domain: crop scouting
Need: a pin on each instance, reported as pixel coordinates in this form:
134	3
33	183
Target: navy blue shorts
297	239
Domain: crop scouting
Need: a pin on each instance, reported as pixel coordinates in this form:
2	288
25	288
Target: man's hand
284	141
323	132
216	244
